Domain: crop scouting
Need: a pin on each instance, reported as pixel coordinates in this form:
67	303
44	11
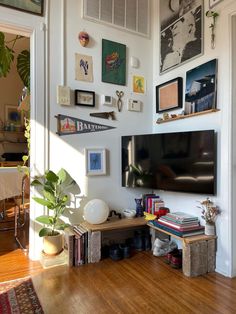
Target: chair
22	206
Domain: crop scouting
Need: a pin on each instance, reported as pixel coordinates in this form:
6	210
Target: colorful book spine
182	229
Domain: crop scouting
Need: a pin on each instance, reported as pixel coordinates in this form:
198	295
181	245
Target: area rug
19	297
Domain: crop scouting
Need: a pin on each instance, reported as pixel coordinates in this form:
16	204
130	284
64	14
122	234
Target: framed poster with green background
113	62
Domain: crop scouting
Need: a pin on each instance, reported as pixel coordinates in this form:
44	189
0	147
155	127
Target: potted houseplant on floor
55	191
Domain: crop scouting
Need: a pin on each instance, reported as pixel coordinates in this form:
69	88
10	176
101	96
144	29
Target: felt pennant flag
67	125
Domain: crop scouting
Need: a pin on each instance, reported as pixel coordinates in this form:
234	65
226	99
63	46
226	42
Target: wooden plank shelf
179	117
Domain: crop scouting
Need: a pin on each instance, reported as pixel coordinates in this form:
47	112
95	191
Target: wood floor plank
141	284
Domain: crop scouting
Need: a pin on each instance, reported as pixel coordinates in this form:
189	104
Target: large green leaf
49	196
36	182
23	67
52	177
42	201
46	220
62	175
45	232
6	58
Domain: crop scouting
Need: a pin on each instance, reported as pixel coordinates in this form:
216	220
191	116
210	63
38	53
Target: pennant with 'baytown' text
67	125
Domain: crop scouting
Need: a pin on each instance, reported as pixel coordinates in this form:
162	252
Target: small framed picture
95	161
12	115
33	6
169	95
212	3
84	98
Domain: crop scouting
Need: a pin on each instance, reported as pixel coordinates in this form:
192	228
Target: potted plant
209	214
55	191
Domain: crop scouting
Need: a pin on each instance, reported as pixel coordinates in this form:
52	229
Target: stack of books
180	224
152	203
76	245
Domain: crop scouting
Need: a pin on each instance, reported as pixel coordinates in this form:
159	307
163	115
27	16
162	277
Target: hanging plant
6	56
212	26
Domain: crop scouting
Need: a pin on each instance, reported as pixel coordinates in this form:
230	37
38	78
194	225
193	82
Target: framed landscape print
200	91
84	98
113	62
29	6
95	161
169	95
181	32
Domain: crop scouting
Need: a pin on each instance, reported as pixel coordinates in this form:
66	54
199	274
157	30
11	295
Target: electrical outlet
134	105
63	95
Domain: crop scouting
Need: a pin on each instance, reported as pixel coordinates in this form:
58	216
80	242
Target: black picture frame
84	98
34	6
169	95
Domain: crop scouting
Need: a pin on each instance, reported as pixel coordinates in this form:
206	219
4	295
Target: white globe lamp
96	211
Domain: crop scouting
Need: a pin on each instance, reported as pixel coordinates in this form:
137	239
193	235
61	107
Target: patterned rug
19	297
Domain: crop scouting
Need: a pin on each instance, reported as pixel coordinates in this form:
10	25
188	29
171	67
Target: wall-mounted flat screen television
180	161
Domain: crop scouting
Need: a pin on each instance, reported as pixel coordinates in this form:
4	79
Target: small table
94	233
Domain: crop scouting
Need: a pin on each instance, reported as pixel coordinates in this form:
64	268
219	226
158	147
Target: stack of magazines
180	224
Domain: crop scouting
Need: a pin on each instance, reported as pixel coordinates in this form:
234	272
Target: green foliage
23	67
7	57
53	189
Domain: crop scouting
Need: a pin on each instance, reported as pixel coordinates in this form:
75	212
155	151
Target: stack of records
180	224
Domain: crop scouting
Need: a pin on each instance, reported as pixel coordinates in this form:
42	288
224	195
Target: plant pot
210	229
53	245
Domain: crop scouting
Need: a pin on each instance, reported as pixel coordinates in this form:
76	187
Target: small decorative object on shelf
83	38
96	211
139	207
212	26
209	214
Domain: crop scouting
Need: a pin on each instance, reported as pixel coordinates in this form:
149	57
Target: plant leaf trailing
53	188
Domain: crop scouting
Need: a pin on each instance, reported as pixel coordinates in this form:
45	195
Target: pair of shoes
168	256
176	259
142	241
119	251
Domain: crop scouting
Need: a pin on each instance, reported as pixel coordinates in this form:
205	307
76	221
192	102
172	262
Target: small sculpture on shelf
139	207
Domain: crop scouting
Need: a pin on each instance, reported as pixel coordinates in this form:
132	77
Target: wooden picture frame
212	3
169	95
95	161
33	6
84	98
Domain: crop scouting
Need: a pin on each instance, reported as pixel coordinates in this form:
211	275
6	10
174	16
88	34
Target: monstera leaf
23	67
6	57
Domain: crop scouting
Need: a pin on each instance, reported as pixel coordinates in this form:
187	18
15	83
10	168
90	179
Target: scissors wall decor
119	101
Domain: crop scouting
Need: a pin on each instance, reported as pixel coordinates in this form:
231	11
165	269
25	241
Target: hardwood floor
141	284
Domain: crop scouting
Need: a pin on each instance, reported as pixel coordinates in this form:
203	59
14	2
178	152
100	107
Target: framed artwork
113	62
181	32
200	92
29	6
212	3
83	68
12	115
95	161
139	84
84	98
169	95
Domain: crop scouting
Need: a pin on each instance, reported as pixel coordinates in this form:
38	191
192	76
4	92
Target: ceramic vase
210	229
139	207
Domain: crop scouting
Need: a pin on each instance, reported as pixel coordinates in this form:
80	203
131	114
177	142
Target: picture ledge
179	117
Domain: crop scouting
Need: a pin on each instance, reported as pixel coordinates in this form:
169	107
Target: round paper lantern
96	211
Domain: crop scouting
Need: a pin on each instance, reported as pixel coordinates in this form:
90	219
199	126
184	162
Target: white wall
220	122
68	151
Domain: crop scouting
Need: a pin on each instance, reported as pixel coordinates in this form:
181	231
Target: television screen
181	161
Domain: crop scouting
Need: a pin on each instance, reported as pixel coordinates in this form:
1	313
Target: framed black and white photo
169	95
95	159
181	32
29	6
84	98
212	3
201	87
